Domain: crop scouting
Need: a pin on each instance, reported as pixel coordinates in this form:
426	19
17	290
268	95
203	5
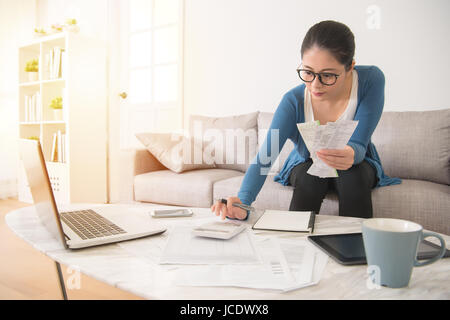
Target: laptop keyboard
88	224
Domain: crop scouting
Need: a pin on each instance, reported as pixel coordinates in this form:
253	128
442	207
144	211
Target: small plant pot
57	114
32	76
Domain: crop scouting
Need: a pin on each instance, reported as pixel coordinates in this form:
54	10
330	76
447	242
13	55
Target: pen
239	205
313	221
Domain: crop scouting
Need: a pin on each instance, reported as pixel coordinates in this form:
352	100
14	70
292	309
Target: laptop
81	228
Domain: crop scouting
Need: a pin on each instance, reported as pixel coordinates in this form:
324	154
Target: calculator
219	230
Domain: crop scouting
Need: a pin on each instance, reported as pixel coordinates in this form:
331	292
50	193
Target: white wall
241	55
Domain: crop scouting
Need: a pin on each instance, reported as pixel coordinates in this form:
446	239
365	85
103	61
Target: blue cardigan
291	111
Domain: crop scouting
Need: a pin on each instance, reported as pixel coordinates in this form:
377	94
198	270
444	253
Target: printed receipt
333	135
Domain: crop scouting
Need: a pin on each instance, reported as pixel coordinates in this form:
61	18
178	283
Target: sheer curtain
17	22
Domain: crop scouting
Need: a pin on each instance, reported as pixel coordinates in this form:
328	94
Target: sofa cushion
420	201
423	202
176	152
264	121
191	188
232	141
415	145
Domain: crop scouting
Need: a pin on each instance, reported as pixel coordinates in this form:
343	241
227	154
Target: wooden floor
25	273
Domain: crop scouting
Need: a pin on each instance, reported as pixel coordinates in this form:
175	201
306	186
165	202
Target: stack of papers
243	261
333	135
286	265
247	260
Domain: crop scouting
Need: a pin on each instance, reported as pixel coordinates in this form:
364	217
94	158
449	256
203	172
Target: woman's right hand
227	210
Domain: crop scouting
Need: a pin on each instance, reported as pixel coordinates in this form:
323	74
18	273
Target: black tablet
348	248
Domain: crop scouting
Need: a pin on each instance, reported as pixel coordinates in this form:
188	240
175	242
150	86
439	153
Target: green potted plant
32	68
56	105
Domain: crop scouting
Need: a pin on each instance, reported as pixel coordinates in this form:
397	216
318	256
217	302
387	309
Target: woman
334	89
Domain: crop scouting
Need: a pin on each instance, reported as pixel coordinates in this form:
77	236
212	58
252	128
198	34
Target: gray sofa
414	146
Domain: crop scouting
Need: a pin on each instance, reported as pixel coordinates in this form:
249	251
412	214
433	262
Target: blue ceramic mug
391	248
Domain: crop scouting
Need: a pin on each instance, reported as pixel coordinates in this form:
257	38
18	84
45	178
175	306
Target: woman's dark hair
333	36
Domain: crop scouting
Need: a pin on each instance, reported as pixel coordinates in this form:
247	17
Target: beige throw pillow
231	141
177	152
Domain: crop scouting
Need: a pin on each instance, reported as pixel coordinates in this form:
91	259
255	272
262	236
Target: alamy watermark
231	146
374	279
373	21
73	281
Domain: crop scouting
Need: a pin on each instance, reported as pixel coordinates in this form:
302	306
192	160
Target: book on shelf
54	63
54	151
57	62
64	148
58	147
33	108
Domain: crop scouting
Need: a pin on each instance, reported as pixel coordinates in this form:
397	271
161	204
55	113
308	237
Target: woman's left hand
340	159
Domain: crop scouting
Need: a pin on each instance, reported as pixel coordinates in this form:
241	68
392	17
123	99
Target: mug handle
435	258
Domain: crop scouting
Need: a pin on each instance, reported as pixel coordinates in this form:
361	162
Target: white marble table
128	271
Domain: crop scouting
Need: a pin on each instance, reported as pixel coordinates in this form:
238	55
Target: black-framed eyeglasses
326	78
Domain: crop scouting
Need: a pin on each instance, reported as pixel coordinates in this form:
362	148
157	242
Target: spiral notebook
277	220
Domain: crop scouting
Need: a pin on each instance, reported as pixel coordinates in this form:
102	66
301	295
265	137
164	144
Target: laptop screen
36	172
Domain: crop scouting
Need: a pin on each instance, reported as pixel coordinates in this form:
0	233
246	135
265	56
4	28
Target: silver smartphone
169	213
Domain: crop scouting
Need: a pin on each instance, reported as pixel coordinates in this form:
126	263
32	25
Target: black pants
353	188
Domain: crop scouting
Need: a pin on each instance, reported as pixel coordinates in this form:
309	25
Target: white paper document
333	135
286	265
280	220
306	263
272	273
183	247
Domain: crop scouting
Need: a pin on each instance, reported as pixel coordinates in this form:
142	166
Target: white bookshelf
79	175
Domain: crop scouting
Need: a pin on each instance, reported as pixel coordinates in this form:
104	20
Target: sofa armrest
144	162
